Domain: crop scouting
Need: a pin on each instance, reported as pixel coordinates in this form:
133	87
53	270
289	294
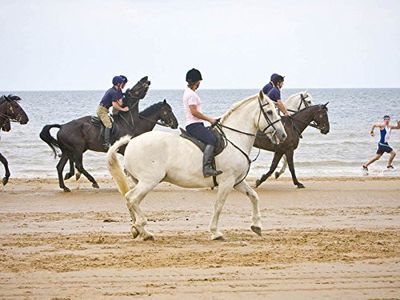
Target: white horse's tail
115	168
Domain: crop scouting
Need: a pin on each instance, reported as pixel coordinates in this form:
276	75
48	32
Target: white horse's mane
236	106
297	94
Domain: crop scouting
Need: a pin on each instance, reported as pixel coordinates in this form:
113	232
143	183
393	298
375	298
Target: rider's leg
203	134
102	113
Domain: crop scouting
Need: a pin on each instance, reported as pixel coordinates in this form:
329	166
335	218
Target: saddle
96	122
219	147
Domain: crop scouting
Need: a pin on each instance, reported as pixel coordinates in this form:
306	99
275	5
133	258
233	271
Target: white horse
295	103
158	156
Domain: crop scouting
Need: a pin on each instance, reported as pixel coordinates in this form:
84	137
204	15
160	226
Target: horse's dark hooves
95	185
258	182
67	176
256	230
300	186
277	174
67	190
5	180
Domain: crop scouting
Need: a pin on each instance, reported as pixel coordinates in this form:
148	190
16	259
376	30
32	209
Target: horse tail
48	139
114	166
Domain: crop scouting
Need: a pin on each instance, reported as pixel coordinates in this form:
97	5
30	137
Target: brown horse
294	126
10	110
80	135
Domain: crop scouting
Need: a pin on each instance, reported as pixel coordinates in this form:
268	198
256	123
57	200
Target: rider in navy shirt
273	91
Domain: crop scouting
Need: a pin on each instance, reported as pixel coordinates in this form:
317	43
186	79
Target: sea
340	153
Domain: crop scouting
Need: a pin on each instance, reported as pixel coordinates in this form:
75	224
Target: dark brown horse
78	136
294	126
10	110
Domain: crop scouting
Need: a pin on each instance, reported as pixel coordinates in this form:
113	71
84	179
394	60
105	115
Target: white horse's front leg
283	169
244	188
223	191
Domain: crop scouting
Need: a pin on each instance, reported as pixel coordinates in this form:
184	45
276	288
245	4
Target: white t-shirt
191	98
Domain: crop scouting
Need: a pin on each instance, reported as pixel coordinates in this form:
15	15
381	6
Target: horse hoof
67	176
148	238
5	180
277	175
258	182
135	232
219	238
77	176
256	230
300	186
67	190
95	185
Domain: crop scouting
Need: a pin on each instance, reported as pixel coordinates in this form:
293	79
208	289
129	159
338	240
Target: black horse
294	126
77	136
10	110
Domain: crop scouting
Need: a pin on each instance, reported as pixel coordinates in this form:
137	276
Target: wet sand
337	239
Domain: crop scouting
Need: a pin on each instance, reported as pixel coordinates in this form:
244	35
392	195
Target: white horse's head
299	101
269	121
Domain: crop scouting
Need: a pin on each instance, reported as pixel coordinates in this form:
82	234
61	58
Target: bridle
11	109
270	123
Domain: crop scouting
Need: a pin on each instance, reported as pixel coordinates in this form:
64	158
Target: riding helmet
124	78
193	75
117	80
277	78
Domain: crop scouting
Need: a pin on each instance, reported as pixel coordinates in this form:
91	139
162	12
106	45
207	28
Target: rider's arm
282	107
199	115
117	106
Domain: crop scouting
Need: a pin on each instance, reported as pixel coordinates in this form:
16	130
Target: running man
383	145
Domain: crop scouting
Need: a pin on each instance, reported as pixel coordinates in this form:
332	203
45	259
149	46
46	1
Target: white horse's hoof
148	237
256	230
134	231
218	237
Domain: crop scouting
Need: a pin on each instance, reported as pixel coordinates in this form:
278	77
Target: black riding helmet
193	75
275	78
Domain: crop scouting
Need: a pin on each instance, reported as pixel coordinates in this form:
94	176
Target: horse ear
326	104
261	95
165	101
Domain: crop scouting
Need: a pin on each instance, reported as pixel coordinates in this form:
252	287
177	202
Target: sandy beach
337	239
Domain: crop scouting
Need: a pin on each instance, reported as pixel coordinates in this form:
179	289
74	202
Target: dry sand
336	239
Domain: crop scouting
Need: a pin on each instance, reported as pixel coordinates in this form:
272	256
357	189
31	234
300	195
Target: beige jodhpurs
102	113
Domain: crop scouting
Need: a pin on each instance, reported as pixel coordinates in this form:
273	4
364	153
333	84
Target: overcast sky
80	45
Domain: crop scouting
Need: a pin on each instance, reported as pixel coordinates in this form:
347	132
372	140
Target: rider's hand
372	133
126	108
287	114
212	121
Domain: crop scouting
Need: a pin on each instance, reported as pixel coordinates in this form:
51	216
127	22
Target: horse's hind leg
71	170
244	188
283	169
134	197
289	156
5	163
79	166
274	164
60	168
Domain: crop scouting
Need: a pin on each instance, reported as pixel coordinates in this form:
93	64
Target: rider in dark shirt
273	91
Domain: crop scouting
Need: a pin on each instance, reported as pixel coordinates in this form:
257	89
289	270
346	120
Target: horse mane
147	112
309	107
236	106
297	94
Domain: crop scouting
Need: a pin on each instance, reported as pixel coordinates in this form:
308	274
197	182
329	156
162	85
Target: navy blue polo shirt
274	94
111	95
267	88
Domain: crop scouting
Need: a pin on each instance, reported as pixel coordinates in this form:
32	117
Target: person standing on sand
383	145
112	97
273	91
194	125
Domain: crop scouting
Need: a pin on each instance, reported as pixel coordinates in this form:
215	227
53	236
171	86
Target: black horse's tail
48	139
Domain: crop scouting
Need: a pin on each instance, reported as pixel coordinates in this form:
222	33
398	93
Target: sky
81	45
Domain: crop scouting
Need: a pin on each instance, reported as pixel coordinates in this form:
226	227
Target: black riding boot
208	169
107	134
